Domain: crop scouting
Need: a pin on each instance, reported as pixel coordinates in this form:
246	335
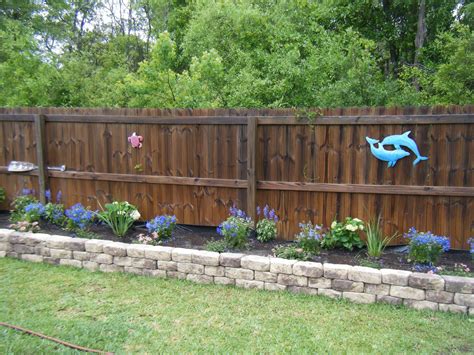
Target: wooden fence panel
197	163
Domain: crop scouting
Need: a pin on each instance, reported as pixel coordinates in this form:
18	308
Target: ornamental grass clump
376	242
159	228
266	228
425	247
344	234
119	216
310	237
236	228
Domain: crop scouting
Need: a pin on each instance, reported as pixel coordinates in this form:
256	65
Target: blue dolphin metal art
392	156
398	140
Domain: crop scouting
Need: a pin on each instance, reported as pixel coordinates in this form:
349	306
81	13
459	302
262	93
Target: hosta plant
119	216
266	228
344	234
236	228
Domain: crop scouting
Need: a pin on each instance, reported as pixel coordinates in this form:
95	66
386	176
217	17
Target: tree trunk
420	36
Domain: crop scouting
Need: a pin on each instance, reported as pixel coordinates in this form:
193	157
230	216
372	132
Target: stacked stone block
354	283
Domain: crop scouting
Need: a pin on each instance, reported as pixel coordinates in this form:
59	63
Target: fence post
41	157
251	161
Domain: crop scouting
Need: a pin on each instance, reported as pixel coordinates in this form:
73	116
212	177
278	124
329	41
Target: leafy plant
471	247
159	228
19	204
376	242
79	217
54	213
266	228
310	237
236	228
33	212
291	252
344	234
219	246
459	269
119	216
425	247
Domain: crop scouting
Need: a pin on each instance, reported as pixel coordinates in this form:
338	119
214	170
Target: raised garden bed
354	283
194	237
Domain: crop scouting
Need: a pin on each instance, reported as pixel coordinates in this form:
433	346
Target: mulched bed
196	237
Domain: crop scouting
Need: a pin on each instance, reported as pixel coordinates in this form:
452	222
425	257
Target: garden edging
355	283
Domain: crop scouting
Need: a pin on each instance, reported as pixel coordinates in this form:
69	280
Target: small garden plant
266	228
54	212
119	216
291	252
79	217
376	242
159	229
2	194
219	246
310	237
19	204
425	248
236	228
344	234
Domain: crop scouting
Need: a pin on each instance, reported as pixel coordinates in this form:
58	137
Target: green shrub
426	248
344	234
236	228
54	213
19	204
266	228
376	242
291	252
219	246
2	194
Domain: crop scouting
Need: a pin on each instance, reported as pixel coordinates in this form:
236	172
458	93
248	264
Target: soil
196	237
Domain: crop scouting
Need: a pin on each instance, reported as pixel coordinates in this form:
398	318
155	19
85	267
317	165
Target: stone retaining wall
355	283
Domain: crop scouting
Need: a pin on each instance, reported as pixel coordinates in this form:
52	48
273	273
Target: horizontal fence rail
198	163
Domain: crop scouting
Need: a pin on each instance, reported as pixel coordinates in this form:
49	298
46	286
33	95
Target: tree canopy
241	53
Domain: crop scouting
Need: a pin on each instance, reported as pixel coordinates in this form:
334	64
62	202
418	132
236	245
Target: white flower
357	220
351	228
361	227
135	215
333	224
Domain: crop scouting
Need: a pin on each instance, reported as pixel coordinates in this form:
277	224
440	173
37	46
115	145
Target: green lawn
128	313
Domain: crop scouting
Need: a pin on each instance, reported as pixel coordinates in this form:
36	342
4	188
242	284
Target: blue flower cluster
228	228
310	231
235	212
161	225
26	192
35	208
267	213
420	238
471	246
80	216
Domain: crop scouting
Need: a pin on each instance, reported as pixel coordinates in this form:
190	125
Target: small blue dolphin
398	140
380	153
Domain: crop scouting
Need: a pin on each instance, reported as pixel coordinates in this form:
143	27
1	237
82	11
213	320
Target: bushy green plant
236	228
291	252
266	228
54	213
219	246
344	234
19	204
424	247
33	212
79	217
376	242
310	237
119	216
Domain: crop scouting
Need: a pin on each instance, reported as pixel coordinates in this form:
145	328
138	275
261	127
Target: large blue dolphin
380	153
398	140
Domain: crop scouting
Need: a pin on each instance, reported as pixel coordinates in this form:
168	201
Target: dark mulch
196	237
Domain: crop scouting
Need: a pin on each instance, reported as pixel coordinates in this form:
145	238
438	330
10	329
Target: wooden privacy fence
197	163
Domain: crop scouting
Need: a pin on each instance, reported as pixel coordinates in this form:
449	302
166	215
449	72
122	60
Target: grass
128	313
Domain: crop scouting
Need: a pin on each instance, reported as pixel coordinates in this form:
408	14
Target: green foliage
119	216
2	194
344	234
266	230
376	242
236	231
291	252
19	204
310	237
54	213
219	246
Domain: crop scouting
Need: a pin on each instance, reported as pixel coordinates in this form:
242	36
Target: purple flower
258	210
26	192
47	194
59	196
